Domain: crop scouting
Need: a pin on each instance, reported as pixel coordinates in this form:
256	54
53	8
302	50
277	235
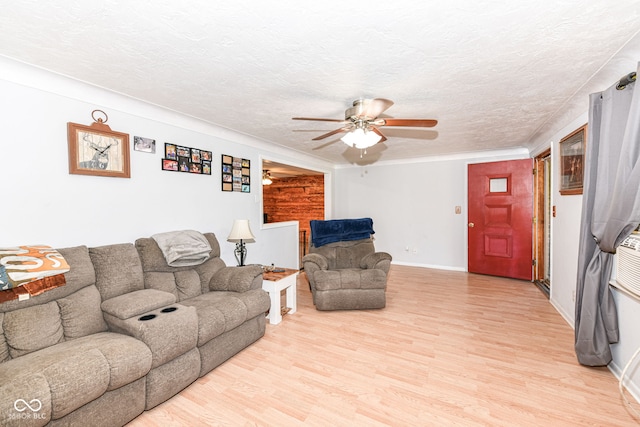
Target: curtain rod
626	80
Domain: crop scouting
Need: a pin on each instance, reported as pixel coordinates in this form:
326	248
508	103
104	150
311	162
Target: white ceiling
494	73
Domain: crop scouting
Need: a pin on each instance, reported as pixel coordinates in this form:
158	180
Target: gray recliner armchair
347	274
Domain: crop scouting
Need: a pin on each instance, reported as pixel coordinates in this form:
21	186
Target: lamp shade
241	231
361	138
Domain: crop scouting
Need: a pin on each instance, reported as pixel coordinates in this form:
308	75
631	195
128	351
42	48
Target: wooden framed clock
97	150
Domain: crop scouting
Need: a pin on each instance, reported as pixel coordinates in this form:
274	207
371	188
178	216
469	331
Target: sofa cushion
183	282
73	373
187	284
4	347
345	254
32	328
118	269
221	311
237	279
349	278
81	274
80	313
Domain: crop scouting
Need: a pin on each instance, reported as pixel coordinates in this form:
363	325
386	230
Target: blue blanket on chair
335	230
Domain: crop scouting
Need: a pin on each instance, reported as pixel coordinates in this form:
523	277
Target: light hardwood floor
450	348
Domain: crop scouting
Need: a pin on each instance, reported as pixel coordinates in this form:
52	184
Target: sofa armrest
135	303
380	260
237	279
320	261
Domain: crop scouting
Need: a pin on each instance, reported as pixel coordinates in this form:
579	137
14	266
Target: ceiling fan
362	122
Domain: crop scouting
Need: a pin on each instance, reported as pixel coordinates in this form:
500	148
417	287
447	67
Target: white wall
565	231
413	205
43	204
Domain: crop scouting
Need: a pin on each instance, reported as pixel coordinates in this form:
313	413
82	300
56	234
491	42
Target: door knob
471	225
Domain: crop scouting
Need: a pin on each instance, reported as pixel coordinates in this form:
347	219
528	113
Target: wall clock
97	150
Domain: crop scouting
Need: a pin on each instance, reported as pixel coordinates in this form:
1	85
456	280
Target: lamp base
241	253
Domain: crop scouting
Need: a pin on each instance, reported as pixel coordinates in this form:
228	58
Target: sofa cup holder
153	316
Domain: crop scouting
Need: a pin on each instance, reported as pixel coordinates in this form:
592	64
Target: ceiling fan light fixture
361	138
266	178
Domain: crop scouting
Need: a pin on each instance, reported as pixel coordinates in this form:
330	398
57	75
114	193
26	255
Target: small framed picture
170	151
183	164
206	167
146	145
183	151
572	162
195	167
195	156
97	150
169	165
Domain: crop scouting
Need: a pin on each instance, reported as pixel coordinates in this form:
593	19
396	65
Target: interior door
500	222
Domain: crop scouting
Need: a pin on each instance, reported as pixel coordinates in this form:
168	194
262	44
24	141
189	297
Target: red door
500	218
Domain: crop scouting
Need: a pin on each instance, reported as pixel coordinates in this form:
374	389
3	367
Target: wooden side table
276	282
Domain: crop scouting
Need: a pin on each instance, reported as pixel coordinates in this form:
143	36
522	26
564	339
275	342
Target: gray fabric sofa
347	275
125	333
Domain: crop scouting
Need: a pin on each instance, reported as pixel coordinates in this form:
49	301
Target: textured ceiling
493	73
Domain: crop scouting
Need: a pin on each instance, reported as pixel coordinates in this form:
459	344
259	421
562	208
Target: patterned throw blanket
35	268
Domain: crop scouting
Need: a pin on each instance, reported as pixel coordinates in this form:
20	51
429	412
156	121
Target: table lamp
241	234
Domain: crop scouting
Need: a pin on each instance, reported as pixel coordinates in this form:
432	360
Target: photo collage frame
236	174
178	158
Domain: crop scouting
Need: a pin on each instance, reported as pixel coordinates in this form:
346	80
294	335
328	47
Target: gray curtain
610	212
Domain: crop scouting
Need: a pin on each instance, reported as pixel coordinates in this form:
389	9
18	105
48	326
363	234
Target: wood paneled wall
299	198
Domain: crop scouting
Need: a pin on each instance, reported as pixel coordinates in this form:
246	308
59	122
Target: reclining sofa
125	333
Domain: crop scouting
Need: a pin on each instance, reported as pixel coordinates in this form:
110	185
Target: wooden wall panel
299	198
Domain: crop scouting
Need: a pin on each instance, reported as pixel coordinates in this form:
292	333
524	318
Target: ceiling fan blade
376	130
317	119
326	144
424	123
377	106
328	134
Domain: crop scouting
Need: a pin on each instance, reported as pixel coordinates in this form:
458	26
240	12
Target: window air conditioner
628	265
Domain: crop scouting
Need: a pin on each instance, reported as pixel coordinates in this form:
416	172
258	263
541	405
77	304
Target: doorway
543	212
500	205
292	193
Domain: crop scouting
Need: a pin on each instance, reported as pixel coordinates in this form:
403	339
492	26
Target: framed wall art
146	145
572	162
236	174
178	158
97	150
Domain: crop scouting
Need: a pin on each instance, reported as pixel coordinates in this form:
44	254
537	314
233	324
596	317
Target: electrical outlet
415	251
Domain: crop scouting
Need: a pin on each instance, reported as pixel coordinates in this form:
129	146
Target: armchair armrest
135	303
237	279
379	260
320	261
